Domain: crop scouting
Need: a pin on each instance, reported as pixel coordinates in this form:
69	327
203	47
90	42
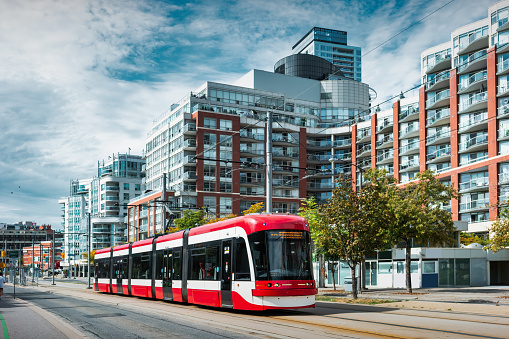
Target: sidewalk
486	299
21	319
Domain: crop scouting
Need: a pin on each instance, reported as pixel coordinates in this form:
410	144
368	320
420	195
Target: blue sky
82	79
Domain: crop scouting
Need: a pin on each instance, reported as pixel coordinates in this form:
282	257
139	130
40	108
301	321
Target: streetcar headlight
276	285
307	284
269	285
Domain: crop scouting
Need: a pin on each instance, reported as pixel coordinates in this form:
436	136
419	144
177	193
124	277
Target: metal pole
53	258
33	260
89	249
40	258
268	208
163	210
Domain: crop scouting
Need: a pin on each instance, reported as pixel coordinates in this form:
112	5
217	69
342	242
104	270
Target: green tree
92	256
352	223
499	231
419	216
189	219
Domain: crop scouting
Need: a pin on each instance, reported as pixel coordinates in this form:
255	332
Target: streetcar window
204	263
259	253
159	265
197	264
141	266
177	265
241	261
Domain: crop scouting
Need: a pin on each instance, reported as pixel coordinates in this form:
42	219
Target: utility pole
163	209
53	258
33	260
268	169
89	249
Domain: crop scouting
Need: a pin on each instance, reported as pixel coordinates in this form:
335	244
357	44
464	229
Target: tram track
327	320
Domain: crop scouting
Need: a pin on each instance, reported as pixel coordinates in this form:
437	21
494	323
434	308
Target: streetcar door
119	268
226	274
167	274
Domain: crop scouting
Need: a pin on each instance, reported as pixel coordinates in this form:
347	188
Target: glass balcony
503	133
386	123
385	157
502	89
386	141
361	151
503	111
441	80
410	130
475	79
439	154
475	102
285	153
189	175
470	144
342	143
409	147
408	112
112	188
409	165
440	99
441	62
189	159
252	150
292	140
442	134
473	160
252	181
190	143
475	42
365	163
481	182
474	121
503	67
285	182
319	143
189	128
250	135
473	63
319	185
440	115
363	133
503	178
475	205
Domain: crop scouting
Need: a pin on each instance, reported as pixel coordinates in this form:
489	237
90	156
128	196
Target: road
99	315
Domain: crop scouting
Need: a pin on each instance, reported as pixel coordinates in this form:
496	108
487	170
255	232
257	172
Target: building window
209	186
209	202
126	196
225	205
126	186
103	187
225	125
225	187
136	187
210	123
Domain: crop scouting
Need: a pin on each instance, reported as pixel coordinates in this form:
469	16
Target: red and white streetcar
253	262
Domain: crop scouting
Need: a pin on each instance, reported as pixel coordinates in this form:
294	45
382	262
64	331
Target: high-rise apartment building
332	45
212	143
104	199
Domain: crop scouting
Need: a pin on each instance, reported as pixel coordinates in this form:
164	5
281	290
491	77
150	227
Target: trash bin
348	284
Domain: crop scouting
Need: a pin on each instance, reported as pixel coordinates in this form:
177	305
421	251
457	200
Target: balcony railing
478	56
409	129
408	164
319	143
503	178
410	146
478	98
363	133
475	204
437	60
503	132
320	185
503	110
385	123
407	112
503	66
440	134
474	183
438	97
189	128
479	76
483	117
343	142
385	155
285	182
471	38
439	77
502	89
250	135
385	139
252	150
476	141
446	151
473	160
363	149
439	114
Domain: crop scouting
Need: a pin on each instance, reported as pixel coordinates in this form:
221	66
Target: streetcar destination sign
13	254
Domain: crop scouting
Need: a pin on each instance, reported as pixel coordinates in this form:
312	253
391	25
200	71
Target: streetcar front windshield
281	255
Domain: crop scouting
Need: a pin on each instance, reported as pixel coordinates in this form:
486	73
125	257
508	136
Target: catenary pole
268	169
